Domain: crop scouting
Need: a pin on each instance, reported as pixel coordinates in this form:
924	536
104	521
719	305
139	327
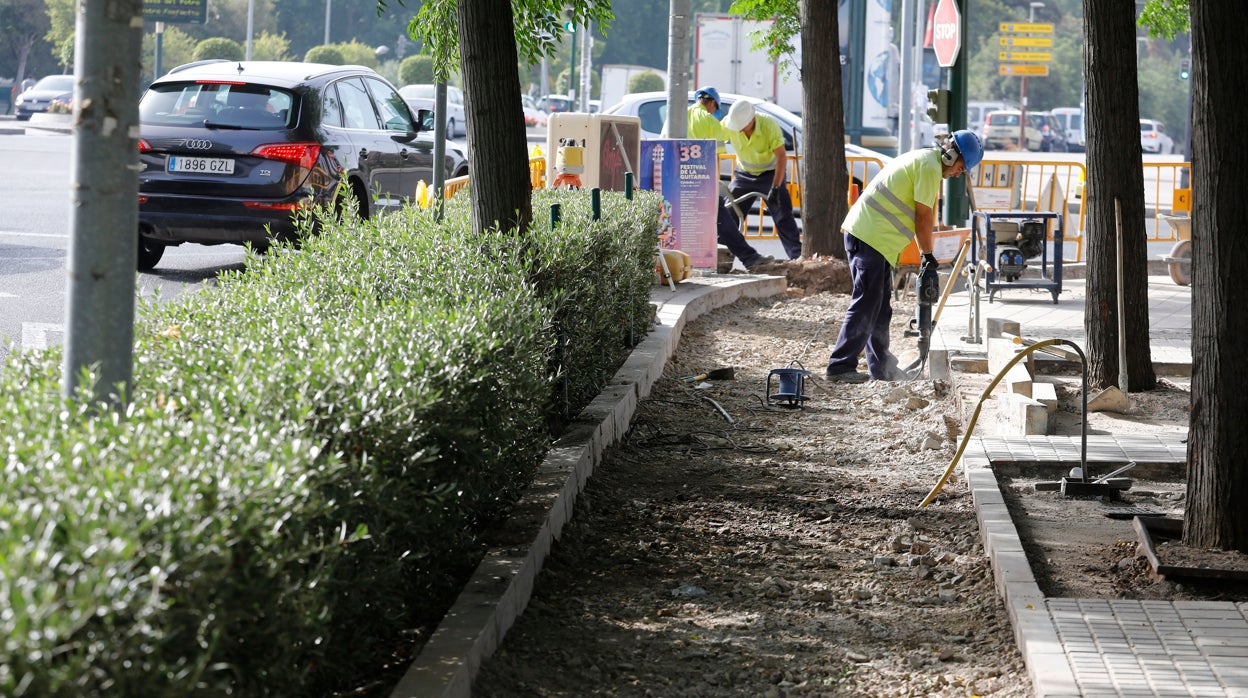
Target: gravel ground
731	547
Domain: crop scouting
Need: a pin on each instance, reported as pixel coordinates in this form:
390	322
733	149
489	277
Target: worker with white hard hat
703	123
761	167
898	206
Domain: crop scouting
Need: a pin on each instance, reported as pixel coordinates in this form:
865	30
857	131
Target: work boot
847	377
760	261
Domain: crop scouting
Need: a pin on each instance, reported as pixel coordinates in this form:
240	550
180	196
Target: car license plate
200	165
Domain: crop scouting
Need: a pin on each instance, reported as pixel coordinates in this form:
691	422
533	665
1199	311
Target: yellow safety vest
757	153
883	217
703	124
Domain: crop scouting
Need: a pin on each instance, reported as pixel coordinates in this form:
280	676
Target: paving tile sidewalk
1088	647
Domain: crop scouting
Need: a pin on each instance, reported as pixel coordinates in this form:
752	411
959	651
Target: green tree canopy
647	81
357	53
176	47
270	47
416	70
219	47
329	55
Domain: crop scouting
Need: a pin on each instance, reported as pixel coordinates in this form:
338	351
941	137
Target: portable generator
1012	242
1017	242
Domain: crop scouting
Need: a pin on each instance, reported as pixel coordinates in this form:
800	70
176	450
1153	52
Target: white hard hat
739	115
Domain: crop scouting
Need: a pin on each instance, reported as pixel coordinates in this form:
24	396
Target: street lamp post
326	41
1022	89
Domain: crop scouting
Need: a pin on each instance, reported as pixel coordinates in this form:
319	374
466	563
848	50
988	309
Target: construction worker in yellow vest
703	123
703	118
899	205
761	167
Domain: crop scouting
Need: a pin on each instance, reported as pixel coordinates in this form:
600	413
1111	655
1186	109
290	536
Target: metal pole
251	23
572	68
326	41
956	208
439	147
104	217
905	111
678	69
586	61
160	48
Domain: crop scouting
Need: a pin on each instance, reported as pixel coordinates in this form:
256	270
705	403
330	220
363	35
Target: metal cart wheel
1180	260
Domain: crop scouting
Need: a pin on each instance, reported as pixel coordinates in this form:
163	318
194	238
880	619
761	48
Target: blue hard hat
969	147
707	91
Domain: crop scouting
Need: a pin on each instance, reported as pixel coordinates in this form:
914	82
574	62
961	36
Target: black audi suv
230	151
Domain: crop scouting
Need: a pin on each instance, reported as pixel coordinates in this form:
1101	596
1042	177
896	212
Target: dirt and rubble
731	546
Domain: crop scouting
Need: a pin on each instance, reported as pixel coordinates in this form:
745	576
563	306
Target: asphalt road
35	233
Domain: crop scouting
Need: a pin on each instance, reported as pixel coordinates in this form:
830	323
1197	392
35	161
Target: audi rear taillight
301	154
270	206
144	146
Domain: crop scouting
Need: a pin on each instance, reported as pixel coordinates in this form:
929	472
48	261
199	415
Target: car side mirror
424	119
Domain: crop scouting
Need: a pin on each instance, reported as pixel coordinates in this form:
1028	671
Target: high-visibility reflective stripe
755	167
891	214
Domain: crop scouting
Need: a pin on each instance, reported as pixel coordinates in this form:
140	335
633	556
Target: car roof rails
195	64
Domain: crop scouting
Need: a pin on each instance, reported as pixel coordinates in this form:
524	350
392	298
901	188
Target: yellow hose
970	427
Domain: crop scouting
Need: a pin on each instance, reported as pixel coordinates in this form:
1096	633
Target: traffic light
939	105
569	21
1185	68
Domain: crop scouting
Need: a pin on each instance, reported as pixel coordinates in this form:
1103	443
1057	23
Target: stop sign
946	37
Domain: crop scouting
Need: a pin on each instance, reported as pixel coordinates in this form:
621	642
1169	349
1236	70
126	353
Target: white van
977	112
1072	121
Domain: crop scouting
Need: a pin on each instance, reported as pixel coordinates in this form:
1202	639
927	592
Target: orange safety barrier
860	169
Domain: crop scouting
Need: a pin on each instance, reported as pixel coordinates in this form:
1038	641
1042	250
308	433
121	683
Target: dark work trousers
728	234
868	316
779	207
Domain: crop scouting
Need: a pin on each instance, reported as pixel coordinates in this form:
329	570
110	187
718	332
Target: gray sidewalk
1089	647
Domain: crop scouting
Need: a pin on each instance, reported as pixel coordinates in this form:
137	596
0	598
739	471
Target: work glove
775	191
929	262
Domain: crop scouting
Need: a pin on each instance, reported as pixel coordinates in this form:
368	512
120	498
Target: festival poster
685	171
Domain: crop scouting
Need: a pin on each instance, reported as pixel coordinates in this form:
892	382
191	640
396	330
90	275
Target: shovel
715	374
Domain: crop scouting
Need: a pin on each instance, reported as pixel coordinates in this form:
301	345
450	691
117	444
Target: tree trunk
500	193
1115	171
825	179
1217	448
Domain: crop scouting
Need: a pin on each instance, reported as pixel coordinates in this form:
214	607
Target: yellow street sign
1032	57
1022	69
1031	41
1025	28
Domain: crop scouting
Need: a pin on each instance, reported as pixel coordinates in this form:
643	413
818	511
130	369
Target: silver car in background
651	108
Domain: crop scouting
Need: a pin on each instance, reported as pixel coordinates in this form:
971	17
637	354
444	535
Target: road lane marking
35	334
32	235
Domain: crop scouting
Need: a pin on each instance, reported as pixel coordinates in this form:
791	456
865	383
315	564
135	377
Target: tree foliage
176	47
646	81
22	24
270	47
416	70
538	23
778	41
357	53
219	47
1166	18
329	55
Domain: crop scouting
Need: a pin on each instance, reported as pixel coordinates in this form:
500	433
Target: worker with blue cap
703	123
898	205
704	115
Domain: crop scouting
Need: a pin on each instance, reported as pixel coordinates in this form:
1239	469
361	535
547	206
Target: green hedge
310	455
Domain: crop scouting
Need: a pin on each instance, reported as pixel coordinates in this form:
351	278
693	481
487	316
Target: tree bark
500	193
1217	448
1115	171
825	179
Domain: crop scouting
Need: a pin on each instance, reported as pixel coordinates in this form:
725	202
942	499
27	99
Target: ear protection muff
949	155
